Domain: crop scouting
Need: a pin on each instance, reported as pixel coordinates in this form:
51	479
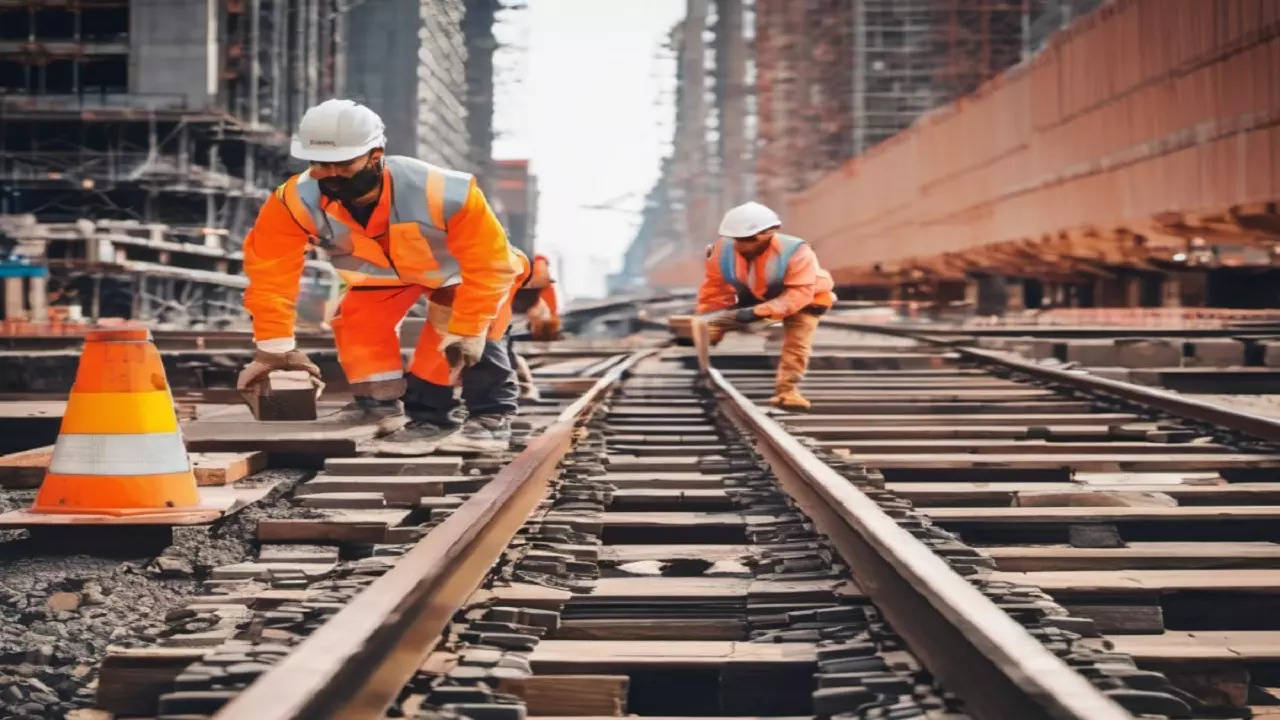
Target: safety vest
424	198
775	269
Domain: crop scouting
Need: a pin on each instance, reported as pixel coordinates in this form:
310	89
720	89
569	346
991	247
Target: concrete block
1148	352
1215	352
1091	352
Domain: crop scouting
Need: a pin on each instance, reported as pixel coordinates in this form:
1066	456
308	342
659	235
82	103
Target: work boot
790	400
387	416
417	437
481	433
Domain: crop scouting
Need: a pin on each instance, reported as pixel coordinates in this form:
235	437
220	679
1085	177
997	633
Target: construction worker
757	275
396	229
537	300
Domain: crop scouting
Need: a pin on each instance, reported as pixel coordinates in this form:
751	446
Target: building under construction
138	137
799	87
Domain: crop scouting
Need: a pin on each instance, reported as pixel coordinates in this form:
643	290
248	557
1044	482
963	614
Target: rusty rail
973	647
356	664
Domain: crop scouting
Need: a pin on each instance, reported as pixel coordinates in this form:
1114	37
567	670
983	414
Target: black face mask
350	189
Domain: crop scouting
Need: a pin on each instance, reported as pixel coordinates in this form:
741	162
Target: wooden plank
333	526
922	432
1137	555
525	595
302	438
854	419
1206	513
343	500
667	480
398	489
570	695
657	463
25	469
221	468
672	519
656	589
923	396
284	395
552	657
1120	582
1003	494
653	628
987	446
984	410
672	499
1201	646
661	412
298	553
437	465
1104	462
130	680
263	570
691	551
668	450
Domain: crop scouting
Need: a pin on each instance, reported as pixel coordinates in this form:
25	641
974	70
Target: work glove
264	363
462	350
734	319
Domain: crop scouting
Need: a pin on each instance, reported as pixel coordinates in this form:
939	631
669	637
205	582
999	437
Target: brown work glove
265	362
734	319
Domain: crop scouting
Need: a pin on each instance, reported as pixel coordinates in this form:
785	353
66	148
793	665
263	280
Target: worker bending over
537	301
755	274
396	229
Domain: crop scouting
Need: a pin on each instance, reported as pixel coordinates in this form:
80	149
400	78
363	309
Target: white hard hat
337	130
748	219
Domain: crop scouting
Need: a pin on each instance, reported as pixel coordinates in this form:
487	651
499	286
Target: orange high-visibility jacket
431	227
784	279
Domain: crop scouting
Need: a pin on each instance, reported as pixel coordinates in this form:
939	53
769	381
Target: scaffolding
175	114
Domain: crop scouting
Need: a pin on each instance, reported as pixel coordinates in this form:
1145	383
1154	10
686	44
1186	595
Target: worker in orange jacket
537	300
396	229
756	275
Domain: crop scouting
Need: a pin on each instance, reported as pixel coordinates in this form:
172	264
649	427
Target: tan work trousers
797	344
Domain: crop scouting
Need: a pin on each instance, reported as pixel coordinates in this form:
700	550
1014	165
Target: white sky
585	90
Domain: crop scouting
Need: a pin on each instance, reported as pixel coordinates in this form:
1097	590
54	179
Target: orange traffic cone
119	451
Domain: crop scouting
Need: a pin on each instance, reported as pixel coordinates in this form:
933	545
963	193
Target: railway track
948	534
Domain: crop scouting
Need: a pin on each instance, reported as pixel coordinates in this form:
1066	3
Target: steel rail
973	647
356	664
1259	426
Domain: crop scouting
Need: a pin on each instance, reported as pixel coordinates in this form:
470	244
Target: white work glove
467	349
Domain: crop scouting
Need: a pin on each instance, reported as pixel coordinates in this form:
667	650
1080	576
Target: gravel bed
59	613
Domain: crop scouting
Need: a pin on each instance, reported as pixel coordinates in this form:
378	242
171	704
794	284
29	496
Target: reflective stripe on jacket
430	227
784	279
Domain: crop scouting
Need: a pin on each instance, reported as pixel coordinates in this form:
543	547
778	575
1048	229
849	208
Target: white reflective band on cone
139	454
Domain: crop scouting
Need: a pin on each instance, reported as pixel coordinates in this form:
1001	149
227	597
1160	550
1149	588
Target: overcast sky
585	90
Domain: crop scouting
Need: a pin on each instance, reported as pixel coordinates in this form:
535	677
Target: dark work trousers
488	388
